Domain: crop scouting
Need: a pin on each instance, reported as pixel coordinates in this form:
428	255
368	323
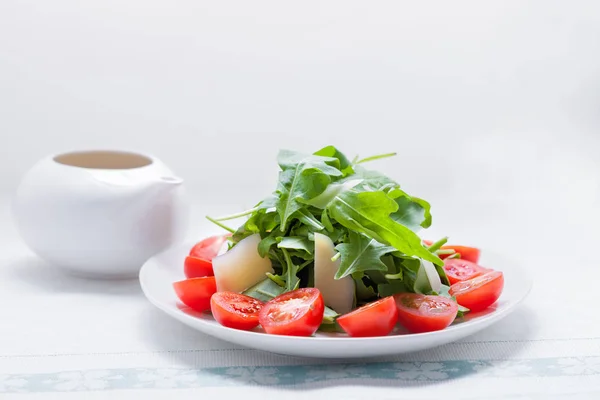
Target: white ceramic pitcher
100	213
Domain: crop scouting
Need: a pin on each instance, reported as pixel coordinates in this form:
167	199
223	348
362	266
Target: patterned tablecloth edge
388	373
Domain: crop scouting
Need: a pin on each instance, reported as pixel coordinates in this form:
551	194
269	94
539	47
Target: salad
334	248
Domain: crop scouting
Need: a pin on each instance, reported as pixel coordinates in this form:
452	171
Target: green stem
290	269
455	255
276	279
355	159
436	246
377	157
308	219
220	224
238	215
394	276
445	251
337	255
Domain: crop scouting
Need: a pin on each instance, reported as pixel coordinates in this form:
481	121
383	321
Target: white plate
158	274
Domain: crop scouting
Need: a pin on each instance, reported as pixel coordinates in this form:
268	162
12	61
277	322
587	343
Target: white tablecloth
63	336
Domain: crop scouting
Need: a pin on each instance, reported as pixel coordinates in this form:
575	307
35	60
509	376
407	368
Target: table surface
62	335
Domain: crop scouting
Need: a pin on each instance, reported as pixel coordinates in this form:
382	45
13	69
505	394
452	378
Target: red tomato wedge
466	253
208	248
458	270
480	292
235	310
194	267
196	292
374	319
420	313
295	313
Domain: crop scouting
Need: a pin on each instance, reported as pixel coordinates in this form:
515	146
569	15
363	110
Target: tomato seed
246	308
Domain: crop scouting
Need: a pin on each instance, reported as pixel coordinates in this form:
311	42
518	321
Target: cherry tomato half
466	253
208	248
480	292
374	319
458	270
196	292
194	267
421	313
235	310
295	313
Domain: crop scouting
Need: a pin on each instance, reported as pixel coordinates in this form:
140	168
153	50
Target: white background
492	106
468	92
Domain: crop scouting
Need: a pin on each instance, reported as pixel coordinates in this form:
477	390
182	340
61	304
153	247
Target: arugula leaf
301	184
260	221
413	213
307	218
361	253
331	328
264	246
332	151
369	213
329	315
370	179
296	243
263	221
291	279
299	258
335	189
301	230
326	221
289	159
303	177
264	290
363	292
322	200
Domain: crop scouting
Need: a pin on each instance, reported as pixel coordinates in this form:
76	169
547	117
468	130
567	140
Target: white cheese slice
338	294
241	267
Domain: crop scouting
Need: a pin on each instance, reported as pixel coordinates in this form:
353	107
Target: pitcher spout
151	189
164	183
170	181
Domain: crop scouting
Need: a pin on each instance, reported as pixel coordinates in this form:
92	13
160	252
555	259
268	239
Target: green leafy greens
372	222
